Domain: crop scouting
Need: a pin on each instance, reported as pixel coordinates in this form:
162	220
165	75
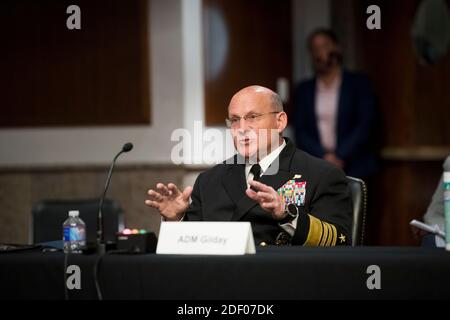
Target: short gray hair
277	104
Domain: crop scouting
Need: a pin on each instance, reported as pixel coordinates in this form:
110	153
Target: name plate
214	238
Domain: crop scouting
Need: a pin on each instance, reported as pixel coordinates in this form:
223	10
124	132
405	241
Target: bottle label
74	234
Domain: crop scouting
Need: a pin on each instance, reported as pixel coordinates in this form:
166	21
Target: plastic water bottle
74	233
447	208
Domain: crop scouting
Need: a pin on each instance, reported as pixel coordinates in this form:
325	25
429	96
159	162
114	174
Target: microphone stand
101	246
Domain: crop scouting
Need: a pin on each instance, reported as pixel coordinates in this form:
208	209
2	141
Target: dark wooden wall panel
414	98
415	105
52	76
258	49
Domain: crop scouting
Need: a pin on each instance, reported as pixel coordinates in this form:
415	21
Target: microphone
127	147
100	237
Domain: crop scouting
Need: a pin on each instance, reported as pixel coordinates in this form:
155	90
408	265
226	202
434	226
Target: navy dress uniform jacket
325	214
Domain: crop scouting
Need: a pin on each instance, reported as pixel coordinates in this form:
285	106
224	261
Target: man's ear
282	121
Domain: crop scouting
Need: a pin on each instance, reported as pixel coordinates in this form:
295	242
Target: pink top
327	100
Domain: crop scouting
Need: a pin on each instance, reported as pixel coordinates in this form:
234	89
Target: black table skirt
281	273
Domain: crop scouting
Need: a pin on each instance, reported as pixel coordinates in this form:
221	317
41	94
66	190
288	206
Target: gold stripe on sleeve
334	235
315	232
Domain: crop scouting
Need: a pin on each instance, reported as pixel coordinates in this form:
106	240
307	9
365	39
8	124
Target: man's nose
243	125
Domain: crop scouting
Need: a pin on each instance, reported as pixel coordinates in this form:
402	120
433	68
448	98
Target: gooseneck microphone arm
100	236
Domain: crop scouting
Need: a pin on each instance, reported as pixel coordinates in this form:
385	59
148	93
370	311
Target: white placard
215	238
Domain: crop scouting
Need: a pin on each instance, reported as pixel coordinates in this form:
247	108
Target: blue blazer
357	120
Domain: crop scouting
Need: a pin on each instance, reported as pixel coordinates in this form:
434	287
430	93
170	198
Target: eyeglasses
250	118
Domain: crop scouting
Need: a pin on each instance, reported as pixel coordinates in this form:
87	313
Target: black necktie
256	170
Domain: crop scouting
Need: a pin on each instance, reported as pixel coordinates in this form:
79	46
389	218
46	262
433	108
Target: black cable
97	270
96	277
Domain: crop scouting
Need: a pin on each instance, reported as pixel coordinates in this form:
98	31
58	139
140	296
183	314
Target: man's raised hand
169	200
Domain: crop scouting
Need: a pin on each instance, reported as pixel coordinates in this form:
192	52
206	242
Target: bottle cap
74	213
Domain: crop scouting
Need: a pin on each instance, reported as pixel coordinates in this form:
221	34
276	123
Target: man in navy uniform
289	196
